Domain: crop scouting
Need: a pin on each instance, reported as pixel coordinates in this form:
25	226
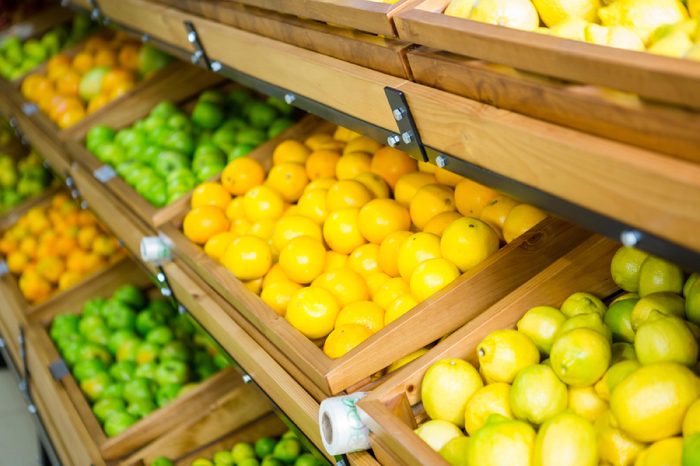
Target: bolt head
407	137
398	114
393	140
441	161
630	237
216	66
191	37
290	98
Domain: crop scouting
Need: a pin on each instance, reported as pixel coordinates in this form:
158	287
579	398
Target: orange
346	286
416	249
263	228
344	134
447	177
69	280
61	104
58	61
43	90
399	307
316	140
312	311
467	242
342	232
216	246
426	167
367	313
46	102
51	268
68	84
324	183
203	222
391	164
496	211
30	85
362	144
75	261
322	164
520	219
86	236
254	286
65	244
374	183
429	201
97	102
93	262
120	90
432	276
343	339
105	57
289	227
289	179
128	57
335	261
83	62
86	218
389	291
273	275
241	175
234	209
278	294
116	77
333	145
95	43
8	245
365	259
210	193
240	226
263	202
312	205
70	117
389	252
303	259
374	280
290	151
247	257
408	185
28	246
17	261
34	287
471	197
352	164
381	217
440	222
346	194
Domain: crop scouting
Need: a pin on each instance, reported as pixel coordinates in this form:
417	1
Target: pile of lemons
342	235
582	384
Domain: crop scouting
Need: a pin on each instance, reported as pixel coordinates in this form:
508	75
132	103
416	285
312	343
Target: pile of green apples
18	58
21	179
132	355
165	155
266	451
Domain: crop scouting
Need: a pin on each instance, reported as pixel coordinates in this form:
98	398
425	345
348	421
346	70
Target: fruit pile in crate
54	246
133	354
17	58
107	67
167	153
21	179
583	384
342	236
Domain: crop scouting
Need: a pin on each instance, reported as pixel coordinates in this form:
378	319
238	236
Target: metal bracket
104	173
24	381
70	184
29	108
3	268
59	369
95	12
408	131
199	55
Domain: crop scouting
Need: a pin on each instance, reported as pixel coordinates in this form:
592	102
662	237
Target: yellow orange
471	197
263	202
416	249
390	291
312	311
128	57
216	246
367	313
408	185
210	193
303	259
345	338
203	222
321	164
289	227
83	62
312	205
289	179
352	164
346	194
342	232
399	307
374	183
391	164
278	294
380	217
520	219
429	201
389	252
444	176
241	175
440	222
346	285
365	259
496	211
247	257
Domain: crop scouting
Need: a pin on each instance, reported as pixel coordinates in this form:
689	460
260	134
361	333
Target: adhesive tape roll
342	428
154	249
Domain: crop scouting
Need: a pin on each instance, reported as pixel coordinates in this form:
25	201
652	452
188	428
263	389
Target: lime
162	461
657	305
625	296
502	441
504	353
261	115
690	281
248	462
691	421
622	352
566	439
207	115
264	446
664	452
582	303
692	303
223	458
585	402
541	323
657	275
455	451
591	321
691	450
537	394
307	459
613	376
202	462
614	446
241	451
437	433
618	318
98	135
447	386
625	267
666	340
287	450
580	357
488	400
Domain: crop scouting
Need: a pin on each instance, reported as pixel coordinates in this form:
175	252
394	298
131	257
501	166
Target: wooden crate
395	409
387	55
183	409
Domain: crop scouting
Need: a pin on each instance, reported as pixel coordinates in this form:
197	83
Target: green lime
162	461
692	302
489	443
264	446
613	376
591	321
307	459
287	450
582	303
691	450
537	394
657	305
223	458
580	357
666	340
690	281
97	135
541	324
261	115
207	115
658	275
241	451
618	318
625	267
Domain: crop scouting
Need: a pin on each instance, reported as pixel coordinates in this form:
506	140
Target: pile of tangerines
57	91
55	246
342	236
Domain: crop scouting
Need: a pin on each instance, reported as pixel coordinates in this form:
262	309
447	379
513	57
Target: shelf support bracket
200	54
408	136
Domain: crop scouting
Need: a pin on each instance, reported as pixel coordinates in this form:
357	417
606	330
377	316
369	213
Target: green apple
84	370
98	135
251	136
51	42
178	140
90	325
106	406
225	139
170	160
264	446
118	422
167	393
160	335
175	349
111	153
147	352
179	121
287	450
147	320
119	315
128	348
154	191
278	127
130	295
137	389
159	134
152	122
8	178
164	110
207	115
162	461
94	386
114	390
206	370
27	187
129	137
32	48
117	338
123	371
280	105
146	371
249	462
91	350
141	407
172	372
223	458
94	307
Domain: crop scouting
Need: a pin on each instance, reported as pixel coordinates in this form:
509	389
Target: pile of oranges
343	236
53	247
56	91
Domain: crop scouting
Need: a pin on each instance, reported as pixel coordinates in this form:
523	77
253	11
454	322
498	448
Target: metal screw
31	408
247	379
191	37
64	3
181	309
145	38
95	14
630	237
196	56
407	137
215	66
290	98
398	113
166	292
83	204
393	140
441	161
2	342
22	386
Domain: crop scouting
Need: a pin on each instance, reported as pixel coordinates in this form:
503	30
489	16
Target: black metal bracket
24	374
408	137
200	54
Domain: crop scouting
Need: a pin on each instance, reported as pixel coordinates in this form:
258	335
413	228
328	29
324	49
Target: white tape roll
341	423
154	249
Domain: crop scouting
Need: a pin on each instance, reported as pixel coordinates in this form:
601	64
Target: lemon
352	164
675	44
408	185
490	399
399	307
374	183
346	286
278	294
541	324
303	259
614	446
591	321
625	296
690	281
374	281
666	340
554	11
622	352
432	276
671	386
496	211
644	16
502	441
667	452
504	353
290	151
438	433
657	275
571	28
406	359
691	421
582	303
381	217
365	259
390	290
341	231
691	450
459	8
692	303
656	306
614	36
618	318
312	311
430	200
521	219
519	14
580	357
613	376
447	386
415	249
467	242
585	402
440	222
364	313
625	267
247	257
455	451
389	252
566	439
344	338
347	194
291	226
345	135
537	394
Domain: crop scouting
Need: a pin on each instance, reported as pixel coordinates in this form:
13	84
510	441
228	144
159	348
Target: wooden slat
653	76
666	129
38	23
